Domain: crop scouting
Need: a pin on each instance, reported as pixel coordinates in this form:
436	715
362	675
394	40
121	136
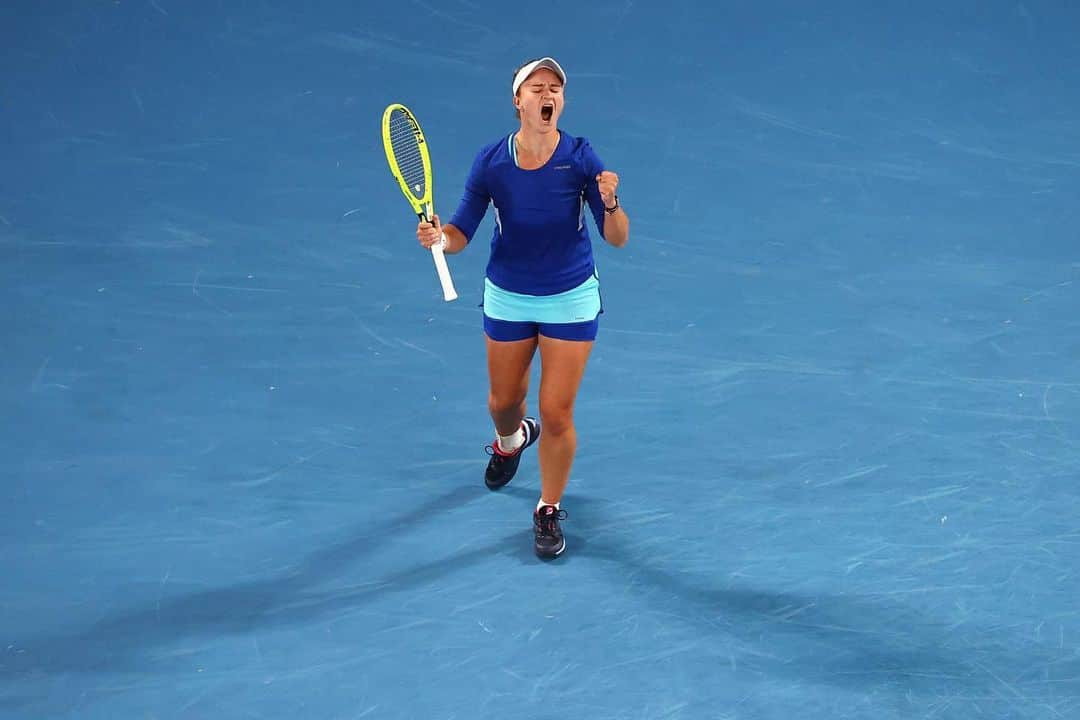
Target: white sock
542	504
509	443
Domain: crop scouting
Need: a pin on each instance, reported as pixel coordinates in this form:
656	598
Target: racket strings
407	153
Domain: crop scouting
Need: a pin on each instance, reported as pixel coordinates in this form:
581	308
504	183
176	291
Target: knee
557	420
504	402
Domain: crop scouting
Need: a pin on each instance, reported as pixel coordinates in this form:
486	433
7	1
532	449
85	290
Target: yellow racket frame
422	205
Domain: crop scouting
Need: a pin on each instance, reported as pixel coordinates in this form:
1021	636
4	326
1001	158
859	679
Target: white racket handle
448	291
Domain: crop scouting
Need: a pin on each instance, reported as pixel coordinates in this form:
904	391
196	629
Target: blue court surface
829	435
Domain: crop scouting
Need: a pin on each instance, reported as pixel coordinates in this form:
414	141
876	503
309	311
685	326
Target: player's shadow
127	639
849	641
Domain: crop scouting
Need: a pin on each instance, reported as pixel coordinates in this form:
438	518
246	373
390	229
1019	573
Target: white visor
545	62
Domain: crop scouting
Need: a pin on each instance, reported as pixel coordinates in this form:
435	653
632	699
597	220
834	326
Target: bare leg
508	373
562	368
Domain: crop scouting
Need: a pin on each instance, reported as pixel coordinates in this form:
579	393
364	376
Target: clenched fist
608	183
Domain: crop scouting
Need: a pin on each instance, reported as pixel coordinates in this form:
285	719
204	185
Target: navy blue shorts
510	330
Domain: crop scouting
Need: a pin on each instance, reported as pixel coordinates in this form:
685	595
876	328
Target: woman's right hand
429	233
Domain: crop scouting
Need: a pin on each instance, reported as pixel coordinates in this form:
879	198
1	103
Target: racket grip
449	293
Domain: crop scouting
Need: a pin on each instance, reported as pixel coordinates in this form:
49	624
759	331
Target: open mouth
546	111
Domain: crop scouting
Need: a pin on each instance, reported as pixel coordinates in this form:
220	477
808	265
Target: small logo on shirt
562	167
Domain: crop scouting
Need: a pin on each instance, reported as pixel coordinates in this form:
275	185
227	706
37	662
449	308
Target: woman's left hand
608	182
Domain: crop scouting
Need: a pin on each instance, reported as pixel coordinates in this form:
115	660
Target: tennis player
541	288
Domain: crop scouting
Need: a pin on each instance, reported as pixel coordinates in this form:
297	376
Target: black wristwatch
611	210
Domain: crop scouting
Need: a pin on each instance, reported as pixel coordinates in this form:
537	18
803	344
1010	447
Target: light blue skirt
579	304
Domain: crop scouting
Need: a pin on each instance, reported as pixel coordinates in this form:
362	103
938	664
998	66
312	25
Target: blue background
828	437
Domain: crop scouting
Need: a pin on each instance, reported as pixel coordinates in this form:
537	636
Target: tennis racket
407	154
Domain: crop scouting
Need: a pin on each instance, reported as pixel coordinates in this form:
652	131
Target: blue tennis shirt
540	245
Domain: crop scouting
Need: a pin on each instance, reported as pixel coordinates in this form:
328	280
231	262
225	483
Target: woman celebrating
541	288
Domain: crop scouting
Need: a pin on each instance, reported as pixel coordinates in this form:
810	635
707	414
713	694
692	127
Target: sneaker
501	467
549	538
